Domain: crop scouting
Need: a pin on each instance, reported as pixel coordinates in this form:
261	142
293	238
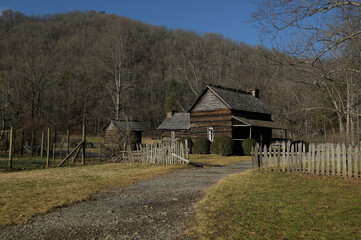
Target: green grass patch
216	160
272	205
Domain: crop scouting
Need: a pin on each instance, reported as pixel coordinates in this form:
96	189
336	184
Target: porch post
250	131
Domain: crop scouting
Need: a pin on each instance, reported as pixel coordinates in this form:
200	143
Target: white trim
241	125
238	139
210	133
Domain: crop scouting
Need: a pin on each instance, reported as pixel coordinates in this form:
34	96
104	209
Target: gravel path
159	208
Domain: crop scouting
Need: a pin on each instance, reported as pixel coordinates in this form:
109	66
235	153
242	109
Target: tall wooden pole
11	148
67	142
54	144
42	145
48	149
100	152
83	150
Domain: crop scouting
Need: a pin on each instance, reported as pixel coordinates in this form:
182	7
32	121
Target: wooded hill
57	70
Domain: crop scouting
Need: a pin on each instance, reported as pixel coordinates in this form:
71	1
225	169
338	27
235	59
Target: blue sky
228	17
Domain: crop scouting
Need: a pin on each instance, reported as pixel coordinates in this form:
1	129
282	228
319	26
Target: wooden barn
121	130
220	111
175	126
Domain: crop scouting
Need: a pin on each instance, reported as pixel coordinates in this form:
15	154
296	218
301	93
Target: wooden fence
320	159
158	153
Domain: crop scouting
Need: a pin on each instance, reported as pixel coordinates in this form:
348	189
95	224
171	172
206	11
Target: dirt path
159	208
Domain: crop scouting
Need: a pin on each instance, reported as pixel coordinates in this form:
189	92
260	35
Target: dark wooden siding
209	101
220	120
166	135
112	137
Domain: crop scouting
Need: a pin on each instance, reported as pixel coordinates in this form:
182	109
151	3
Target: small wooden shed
175	126
118	130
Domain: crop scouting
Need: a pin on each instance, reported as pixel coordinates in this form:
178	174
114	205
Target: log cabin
220	111
118	130
175	126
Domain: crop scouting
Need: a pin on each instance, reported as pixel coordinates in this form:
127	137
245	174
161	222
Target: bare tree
325	36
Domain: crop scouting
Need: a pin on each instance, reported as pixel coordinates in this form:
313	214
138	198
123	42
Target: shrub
201	146
214	146
222	145
190	143
247	145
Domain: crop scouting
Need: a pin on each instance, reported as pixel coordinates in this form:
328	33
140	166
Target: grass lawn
272	205
216	160
26	193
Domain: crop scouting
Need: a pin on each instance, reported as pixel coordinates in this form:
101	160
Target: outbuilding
175	126
118	131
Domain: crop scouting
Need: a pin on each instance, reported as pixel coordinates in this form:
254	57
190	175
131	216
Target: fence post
10	164
288	157
54	146
333	165
279	158
323	159
67	142
100	152
344	160
283	157
356	163
84	143
327	159
349	161
48	149
42	145
318	153
292	158
304	169
338	166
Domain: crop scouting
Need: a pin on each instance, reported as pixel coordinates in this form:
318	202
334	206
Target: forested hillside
59	70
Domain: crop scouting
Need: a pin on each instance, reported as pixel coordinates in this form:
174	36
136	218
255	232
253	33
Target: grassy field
26	193
254	205
216	160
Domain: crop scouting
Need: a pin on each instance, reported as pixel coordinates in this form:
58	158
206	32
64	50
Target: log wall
220	120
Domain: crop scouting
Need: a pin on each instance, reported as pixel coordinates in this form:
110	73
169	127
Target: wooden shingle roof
259	123
127	125
237	100
179	121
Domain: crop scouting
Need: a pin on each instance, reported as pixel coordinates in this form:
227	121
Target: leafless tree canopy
60	70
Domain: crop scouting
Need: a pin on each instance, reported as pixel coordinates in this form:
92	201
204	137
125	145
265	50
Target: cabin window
183	134
172	135
210	134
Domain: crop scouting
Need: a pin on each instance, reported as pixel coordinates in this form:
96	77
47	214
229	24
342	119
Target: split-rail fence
320	159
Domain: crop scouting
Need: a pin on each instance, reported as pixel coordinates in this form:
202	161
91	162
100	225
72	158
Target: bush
247	145
190	143
201	146
222	145
214	146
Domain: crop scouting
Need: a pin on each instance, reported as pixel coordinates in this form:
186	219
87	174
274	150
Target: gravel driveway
159	208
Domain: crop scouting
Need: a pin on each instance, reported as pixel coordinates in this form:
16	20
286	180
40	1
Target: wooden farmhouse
220	111
118	130
175	126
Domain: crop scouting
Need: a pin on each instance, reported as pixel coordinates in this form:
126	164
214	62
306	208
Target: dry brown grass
213	159
24	194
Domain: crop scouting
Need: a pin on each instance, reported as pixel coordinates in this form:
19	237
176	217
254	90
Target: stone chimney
254	92
170	113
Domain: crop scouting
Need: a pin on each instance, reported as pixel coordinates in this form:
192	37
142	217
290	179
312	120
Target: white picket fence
320	159
158	153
